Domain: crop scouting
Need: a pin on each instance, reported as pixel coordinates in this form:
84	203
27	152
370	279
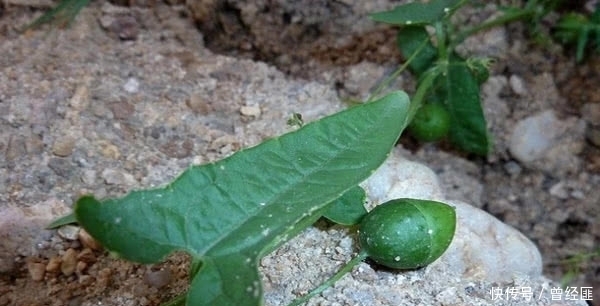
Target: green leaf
416	39
468	128
417	13
349	208
64	220
228	214
62	15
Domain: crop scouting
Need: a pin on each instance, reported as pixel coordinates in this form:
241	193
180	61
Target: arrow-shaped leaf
227	214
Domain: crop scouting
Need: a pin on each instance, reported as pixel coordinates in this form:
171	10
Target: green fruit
407	233
431	123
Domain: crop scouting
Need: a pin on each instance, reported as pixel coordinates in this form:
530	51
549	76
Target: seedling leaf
468	129
410	40
60	221
417	13
228	213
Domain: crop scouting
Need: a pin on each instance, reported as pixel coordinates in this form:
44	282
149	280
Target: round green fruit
407	233
431	123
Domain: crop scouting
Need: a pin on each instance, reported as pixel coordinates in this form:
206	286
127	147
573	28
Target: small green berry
407	233
431	123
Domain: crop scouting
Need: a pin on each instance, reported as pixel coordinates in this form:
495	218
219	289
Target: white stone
250	111
398	178
534	135
517	85
132	85
484	248
544	142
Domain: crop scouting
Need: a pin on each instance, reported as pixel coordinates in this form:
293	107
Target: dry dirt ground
559	222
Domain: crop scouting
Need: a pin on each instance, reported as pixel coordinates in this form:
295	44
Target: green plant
573	265
445	79
581	31
229	214
61	15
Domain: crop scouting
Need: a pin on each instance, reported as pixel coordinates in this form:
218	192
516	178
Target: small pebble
63	146
512	168
250	111
36	270
87	256
158	279
61	166
578	194
53	264
69	232
132	85
559	191
80	99
89	177
198	104
109	150
116	177
80	267
122	110
517	85
69	262
533	136
88	241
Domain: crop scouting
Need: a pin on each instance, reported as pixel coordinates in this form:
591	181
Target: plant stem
424	84
440	34
343	271
506	18
398	71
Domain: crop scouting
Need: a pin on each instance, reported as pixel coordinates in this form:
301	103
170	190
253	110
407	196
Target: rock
132	85
69	232
534	135
414	181
117	177
109	150
485	249
88	241
53	264
68	263
517	85
198	104
61	166
250	111
158	279
122	110
63	146
36	270
89	177
542	141
87	256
